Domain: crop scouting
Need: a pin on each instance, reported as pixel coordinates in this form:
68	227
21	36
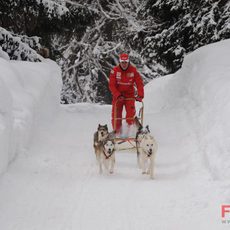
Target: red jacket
122	82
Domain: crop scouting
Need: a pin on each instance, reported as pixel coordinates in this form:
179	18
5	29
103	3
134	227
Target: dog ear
147	128
99	126
106	127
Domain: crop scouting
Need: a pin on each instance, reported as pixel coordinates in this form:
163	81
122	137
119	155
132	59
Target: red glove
120	98
138	98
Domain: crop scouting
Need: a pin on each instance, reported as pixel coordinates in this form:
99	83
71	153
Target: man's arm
139	84
113	84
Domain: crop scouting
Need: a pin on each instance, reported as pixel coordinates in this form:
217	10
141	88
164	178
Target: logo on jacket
118	76
130	74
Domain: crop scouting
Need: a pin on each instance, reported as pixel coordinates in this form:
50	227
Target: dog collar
149	154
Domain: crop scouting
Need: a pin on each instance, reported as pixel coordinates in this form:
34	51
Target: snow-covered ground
55	184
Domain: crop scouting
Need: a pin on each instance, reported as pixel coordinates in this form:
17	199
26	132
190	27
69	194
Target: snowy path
56	185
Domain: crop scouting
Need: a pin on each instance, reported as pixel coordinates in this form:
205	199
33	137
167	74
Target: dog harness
107	156
148	154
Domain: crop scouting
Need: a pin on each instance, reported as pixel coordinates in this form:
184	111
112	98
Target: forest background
85	37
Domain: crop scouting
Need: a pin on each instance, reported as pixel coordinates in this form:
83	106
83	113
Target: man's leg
117	115
130	111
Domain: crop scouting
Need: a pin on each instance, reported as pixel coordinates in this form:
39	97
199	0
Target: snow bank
202	87
4	55
29	94
5	124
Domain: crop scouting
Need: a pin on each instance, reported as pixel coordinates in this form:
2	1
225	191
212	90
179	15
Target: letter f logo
224	209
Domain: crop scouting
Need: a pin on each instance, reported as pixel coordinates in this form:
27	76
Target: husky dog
107	155
99	136
146	151
139	136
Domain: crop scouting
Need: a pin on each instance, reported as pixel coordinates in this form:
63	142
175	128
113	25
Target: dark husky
141	132
138	134
100	136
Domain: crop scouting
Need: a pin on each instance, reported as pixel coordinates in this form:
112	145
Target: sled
128	142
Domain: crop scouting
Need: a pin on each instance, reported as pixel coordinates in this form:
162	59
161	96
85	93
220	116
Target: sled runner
129	141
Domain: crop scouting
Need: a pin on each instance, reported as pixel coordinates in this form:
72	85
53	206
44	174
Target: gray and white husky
107	156
146	151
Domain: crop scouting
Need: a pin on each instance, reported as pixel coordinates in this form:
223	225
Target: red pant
117	108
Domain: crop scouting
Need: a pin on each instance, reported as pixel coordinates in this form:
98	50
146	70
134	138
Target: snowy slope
29	94
202	87
56	185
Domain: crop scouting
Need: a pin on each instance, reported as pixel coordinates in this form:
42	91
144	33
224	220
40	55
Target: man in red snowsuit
122	80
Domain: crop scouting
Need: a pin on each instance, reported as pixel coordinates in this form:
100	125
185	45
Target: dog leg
100	165
112	165
148	162
97	153
106	164
146	166
151	167
143	165
98	158
100	168
138	156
